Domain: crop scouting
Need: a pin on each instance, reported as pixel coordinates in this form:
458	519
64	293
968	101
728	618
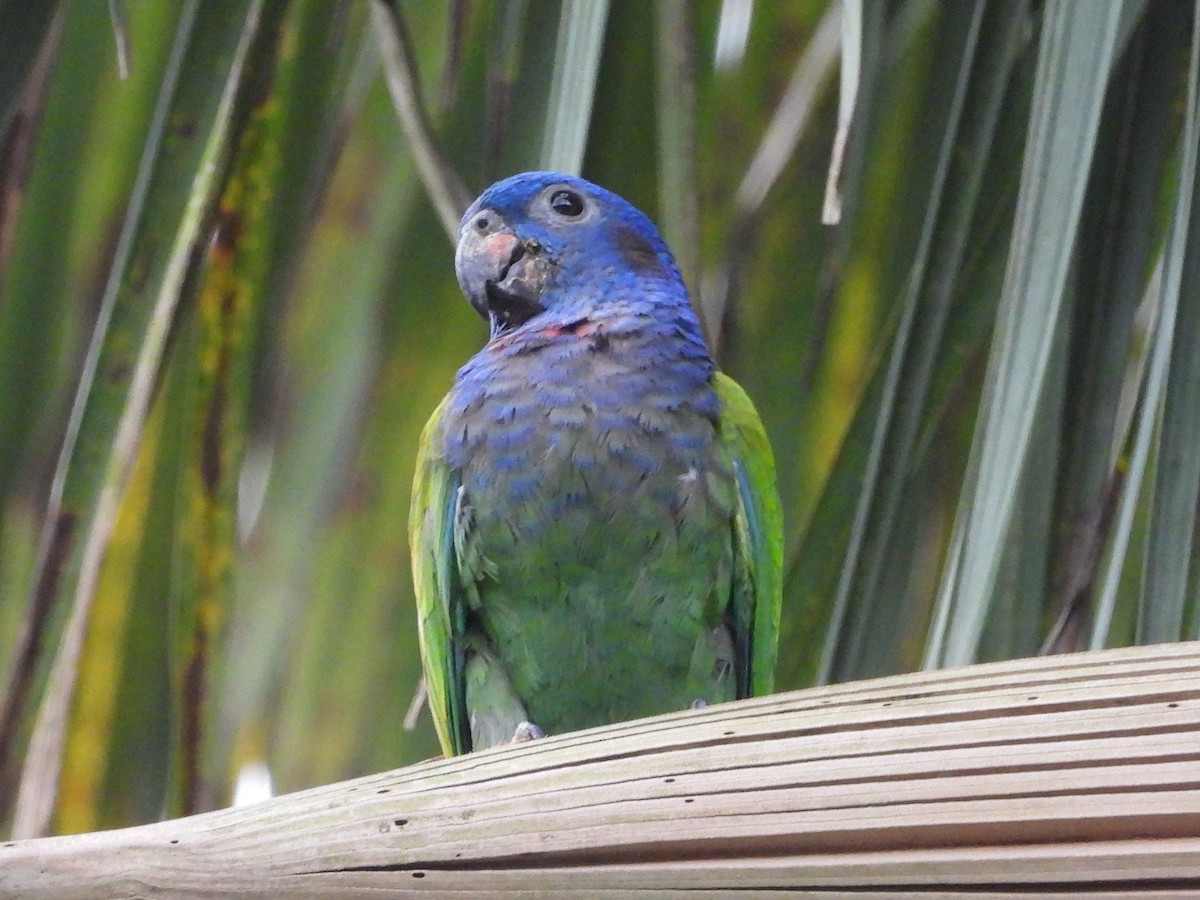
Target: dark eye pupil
566	203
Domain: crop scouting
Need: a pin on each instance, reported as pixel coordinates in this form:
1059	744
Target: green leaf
1169	582
449	195
573	84
985	48
215	362
329	351
117	761
1078	43
173	195
82	168
1121	224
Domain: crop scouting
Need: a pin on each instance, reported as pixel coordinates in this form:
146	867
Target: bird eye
567	204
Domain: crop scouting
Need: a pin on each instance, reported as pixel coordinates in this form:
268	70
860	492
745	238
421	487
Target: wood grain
1076	774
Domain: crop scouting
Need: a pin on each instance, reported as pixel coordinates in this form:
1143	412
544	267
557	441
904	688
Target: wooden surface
1072	774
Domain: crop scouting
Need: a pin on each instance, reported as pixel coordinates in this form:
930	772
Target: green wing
436	583
758	535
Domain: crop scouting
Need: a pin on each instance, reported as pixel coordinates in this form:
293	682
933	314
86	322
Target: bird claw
699	703
527	731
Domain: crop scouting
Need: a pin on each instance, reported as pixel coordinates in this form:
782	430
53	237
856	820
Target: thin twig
503	65
446	190
794	113
456	39
17	142
852	25
788	125
120	27
420	698
678	193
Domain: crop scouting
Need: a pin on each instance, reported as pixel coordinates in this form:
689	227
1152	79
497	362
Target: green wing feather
758	534
436	582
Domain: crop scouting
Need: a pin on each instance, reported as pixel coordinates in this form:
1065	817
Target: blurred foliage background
960	280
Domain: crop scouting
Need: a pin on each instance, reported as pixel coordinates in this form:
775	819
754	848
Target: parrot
595	528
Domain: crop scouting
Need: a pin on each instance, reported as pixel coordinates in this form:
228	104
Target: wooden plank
1075	774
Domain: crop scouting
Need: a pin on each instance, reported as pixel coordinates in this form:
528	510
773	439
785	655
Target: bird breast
589	430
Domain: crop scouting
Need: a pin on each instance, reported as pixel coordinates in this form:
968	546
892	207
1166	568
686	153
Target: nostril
517	252
482	223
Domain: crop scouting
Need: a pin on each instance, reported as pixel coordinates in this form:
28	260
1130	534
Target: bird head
543	242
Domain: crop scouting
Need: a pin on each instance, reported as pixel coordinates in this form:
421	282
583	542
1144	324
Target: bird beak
501	275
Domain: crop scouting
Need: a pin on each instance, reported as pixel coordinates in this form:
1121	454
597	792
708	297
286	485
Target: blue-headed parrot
595	527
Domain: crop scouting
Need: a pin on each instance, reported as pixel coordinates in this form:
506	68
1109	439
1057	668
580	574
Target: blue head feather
595	251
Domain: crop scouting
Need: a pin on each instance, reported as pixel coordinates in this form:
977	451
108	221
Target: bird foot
527	731
699	703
